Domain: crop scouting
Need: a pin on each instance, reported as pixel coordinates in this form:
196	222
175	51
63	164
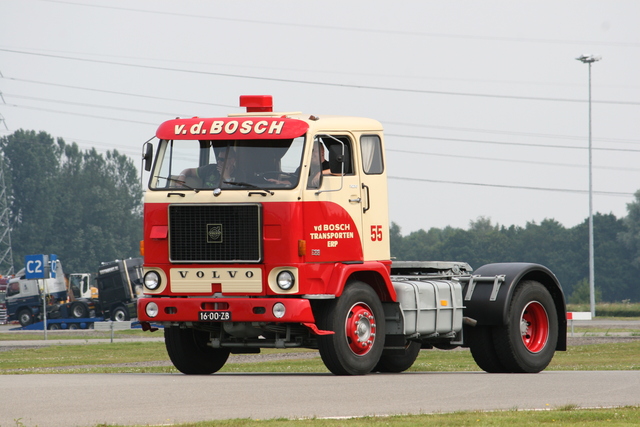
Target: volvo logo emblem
214	233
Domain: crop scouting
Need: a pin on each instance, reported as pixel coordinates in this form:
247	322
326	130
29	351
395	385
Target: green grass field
144	356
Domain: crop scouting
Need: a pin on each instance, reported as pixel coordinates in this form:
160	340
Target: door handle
366	188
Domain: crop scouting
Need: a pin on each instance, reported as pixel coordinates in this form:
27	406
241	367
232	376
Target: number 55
376	233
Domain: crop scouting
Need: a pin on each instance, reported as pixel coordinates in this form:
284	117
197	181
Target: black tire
74	326
54	326
480	341
120	314
25	317
528	342
190	354
357	352
399	362
79	310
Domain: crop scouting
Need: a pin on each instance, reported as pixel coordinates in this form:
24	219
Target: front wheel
25	317
190	354
527	343
357	318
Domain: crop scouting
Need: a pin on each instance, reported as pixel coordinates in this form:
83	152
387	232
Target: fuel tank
430	307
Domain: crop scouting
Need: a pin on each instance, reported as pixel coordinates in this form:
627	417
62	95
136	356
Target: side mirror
147	156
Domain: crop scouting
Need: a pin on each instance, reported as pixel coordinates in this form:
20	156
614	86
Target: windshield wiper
246	184
182	183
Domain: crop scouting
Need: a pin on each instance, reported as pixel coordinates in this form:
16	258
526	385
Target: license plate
214	316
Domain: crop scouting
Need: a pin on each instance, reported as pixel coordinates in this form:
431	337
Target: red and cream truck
269	229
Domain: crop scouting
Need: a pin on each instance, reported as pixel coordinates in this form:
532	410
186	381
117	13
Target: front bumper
241	309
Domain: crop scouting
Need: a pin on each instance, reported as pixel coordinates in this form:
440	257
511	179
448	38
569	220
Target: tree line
563	250
83	206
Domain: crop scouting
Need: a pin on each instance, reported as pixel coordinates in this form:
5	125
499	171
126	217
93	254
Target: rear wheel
357	318
528	341
399	362
480	341
190	354
79	310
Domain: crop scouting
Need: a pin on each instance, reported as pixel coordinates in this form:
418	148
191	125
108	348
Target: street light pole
590	59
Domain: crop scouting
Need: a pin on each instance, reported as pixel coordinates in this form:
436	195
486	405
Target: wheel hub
534	326
360	329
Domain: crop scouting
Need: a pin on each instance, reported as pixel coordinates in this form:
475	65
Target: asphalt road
89	399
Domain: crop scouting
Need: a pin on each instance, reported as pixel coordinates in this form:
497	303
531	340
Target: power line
493	159
353	29
49	110
475	130
499	132
84	104
318	83
605	193
113	92
318	71
517	187
512	144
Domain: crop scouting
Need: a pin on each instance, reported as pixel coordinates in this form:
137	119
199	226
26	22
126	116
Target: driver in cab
209	175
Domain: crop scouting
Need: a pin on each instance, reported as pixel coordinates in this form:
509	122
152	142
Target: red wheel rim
360	329
534	327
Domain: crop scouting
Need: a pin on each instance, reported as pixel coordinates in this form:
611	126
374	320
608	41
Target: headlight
151	309
285	280
278	310
151	280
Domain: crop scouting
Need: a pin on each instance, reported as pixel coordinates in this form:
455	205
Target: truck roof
260	122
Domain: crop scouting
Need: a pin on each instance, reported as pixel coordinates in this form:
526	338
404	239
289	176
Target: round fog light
151	309
285	280
279	310
151	280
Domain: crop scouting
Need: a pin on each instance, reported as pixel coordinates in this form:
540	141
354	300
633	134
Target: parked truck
270	229
4	282
75	303
25	296
119	285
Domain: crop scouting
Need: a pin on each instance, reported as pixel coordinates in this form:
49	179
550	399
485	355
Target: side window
13	289
107	282
371	154
319	166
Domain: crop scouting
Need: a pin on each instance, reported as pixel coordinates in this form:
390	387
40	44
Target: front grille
215	233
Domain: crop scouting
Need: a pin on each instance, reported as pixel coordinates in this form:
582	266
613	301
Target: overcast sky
484	105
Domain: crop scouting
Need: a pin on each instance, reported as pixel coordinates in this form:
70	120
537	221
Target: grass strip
83	334
151	357
569	415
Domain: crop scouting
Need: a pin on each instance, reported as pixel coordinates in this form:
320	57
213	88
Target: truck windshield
228	164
